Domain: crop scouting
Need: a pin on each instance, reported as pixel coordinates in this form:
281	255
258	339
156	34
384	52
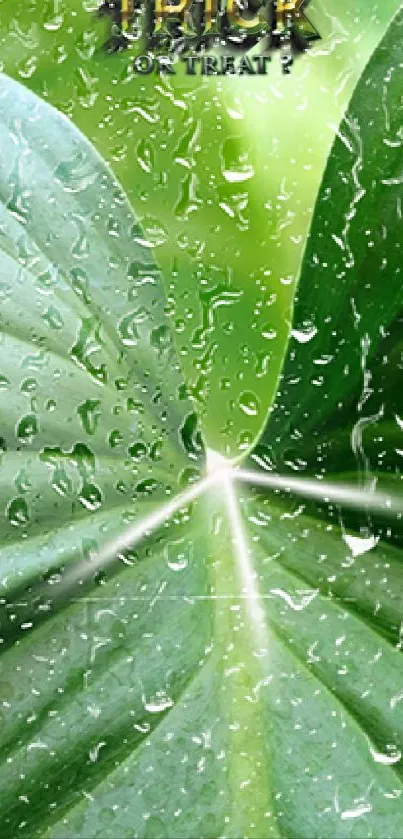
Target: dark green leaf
340	404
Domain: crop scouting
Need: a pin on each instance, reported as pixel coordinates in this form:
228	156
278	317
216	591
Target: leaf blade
344	309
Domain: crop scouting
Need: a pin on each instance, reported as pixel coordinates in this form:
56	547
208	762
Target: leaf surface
96	424
222	173
237	670
339	403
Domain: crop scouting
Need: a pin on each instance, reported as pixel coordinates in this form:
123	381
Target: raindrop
158	703
61	482
17	512
154	234
90	496
177	556
28	385
236	167
145	155
137	451
127	327
161	338
115	439
249	403
53	318
27	428
89	413
304	335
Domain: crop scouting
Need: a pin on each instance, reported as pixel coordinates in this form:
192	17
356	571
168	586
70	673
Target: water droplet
304	335
137	451
115	439
53	318
147	487
127	327
145	155
161	338
27	428
79	282
158	703
153	235
391	756
61	482
249	403
28	385
17	512
236	167
177	556
359	545
90	496
87	345
191	437
89	413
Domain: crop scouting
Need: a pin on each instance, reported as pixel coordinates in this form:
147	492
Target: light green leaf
236	672
95	421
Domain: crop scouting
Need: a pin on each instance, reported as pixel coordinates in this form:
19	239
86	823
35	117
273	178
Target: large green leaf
236	669
95	421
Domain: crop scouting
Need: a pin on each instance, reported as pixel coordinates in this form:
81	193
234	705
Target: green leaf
236	668
339	404
96	424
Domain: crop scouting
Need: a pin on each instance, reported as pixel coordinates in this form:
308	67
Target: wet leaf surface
222	173
194	647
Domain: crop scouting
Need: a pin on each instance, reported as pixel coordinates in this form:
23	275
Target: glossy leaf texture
96	424
339	402
237	672
336	421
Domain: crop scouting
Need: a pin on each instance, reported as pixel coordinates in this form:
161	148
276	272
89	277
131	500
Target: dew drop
89	413
27	428
90	496
249	403
17	512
